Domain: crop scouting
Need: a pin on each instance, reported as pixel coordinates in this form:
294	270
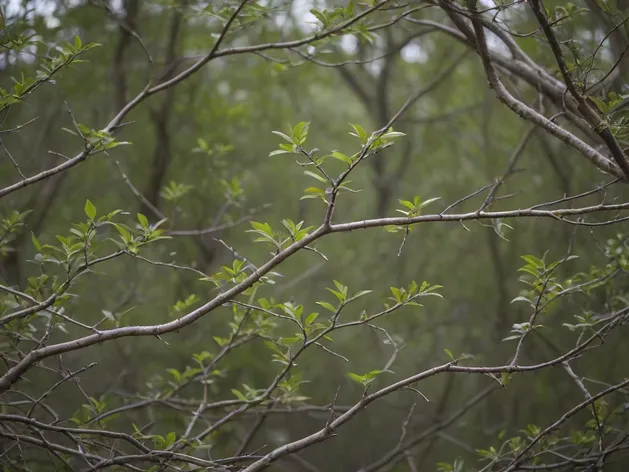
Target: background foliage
147	220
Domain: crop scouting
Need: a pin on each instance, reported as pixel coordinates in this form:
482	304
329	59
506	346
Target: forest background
183	184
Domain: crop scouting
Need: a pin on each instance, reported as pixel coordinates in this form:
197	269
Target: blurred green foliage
202	183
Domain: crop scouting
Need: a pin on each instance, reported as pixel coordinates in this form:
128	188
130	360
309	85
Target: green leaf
359	132
300	132
358	295
534	261
273	347
392	135
529	269
90	210
364	379
327	306
69	131
144	222
397	294
316	176
277	152
408	204
158	441
511	338
356	378
124	233
341	157
313	192
602	106
320	16
175	373
342	288
35	242
283	136
310	319
264	228
429	201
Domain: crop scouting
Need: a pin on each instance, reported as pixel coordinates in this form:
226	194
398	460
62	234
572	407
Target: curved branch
594	119
14	373
213	54
527	113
